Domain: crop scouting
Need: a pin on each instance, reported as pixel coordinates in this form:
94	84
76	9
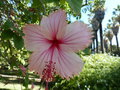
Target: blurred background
101	59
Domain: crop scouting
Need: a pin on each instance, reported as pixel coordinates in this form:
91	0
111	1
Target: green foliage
75	5
37	4
7	34
87	51
26	81
100	72
8	24
18	41
115	51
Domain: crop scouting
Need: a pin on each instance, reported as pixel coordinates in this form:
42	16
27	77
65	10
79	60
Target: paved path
16	86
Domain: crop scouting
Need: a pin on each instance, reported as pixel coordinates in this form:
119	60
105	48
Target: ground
14	83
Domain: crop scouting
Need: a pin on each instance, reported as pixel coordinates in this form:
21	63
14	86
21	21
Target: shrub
100	72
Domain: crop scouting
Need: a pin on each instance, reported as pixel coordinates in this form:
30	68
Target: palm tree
93	44
117	13
99	15
109	35
106	44
118	18
115	30
95	26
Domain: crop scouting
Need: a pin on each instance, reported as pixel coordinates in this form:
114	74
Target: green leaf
36	4
62	2
8	24
75	5
1	3
87	51
50	1
7	34
27	1
13	61
18	41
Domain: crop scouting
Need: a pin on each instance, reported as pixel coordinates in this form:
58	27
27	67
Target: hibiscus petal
54	24
38	60
78	36
34	39
67	64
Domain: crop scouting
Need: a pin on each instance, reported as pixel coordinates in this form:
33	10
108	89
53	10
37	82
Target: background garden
101	59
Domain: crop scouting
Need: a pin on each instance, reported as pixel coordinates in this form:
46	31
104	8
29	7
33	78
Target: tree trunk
111	46
106	49
96	42
94	45
91	47
117	42
86	2
101	37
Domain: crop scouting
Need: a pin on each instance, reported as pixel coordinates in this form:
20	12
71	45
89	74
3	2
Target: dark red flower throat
55	43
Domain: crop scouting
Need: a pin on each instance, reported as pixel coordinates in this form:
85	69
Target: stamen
49	71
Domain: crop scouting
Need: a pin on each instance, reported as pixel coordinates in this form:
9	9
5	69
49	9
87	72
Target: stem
101	37
46	88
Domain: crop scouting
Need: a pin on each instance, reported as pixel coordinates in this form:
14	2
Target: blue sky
109	7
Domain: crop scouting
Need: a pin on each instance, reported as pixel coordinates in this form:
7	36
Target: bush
116	53
100	72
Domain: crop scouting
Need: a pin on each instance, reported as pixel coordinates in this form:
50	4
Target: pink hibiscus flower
54	44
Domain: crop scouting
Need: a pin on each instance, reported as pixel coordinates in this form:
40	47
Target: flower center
55	43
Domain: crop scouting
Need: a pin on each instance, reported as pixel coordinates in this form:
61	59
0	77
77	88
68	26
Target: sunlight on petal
33	39
78	36
54	24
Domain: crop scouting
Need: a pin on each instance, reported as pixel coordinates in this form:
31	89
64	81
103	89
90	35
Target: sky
109	7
